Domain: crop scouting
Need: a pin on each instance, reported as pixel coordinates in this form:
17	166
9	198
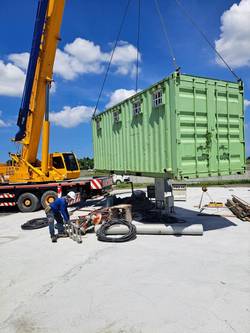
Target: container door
209	127
195	128
229	128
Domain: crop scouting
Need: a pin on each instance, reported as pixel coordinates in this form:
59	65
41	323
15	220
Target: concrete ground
152	284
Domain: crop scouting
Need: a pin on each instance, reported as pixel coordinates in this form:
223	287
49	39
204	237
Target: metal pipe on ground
158	229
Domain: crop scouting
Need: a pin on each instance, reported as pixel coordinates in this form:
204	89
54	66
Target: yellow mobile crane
34	111
28	182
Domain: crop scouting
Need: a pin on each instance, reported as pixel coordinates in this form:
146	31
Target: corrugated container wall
183	126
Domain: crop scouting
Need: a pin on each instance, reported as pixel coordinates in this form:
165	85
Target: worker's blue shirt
60	206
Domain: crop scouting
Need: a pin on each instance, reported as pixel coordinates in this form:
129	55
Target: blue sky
88	32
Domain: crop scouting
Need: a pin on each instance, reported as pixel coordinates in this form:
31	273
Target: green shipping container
181	127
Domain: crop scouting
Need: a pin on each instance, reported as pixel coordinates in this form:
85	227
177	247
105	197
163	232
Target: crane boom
34	54
39	74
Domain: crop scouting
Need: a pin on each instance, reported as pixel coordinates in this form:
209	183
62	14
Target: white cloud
85	50
20	60
125	57
72	117
11	79
246	103
119	95
53	87
66	66
2	122
79	57
234	41
83	56
12	75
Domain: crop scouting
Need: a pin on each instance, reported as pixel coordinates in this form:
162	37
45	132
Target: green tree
86	163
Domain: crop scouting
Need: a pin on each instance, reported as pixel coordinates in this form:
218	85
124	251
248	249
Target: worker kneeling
58	211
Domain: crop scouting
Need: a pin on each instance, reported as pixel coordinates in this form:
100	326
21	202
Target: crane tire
28	202
48	197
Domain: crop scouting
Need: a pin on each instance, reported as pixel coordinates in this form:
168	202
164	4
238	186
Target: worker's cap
71	195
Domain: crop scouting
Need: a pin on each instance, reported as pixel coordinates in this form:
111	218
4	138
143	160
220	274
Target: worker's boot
54	239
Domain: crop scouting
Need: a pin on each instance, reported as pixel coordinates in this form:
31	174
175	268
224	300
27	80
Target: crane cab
65	164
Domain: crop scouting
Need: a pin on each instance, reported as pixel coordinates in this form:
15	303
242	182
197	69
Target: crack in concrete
224	321
71	273
46	288
76	269
110	328
11	317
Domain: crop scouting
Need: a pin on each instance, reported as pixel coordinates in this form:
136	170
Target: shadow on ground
209	222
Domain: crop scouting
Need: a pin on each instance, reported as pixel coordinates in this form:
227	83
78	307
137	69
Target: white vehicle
119	179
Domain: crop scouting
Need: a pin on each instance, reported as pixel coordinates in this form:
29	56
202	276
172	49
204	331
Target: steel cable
191	19
111	57
164	28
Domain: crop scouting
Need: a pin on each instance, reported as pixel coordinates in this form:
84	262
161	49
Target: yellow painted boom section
43	74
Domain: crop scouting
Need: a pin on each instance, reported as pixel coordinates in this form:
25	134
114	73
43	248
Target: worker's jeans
51	220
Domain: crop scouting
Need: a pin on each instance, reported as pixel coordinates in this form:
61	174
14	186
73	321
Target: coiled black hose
102	236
